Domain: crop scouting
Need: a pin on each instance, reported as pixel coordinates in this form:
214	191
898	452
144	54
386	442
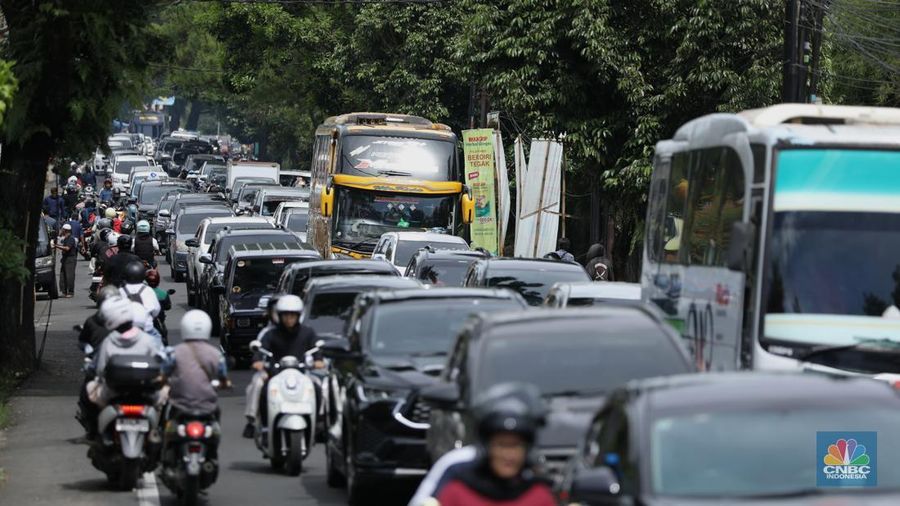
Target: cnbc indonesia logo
848	461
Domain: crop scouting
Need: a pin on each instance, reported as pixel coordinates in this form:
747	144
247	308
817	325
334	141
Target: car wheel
333	476
357	491
53	289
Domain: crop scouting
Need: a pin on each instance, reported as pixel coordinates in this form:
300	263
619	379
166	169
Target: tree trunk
175	114
23	169
194	116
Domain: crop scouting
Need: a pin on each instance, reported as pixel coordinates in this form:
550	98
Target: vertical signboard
478	151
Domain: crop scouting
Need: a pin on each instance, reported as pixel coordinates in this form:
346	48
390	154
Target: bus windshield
362	216
379	156
832	269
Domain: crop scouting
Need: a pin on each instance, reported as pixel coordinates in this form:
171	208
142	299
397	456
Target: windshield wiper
360	243
425	354
576	392
884	344
394	173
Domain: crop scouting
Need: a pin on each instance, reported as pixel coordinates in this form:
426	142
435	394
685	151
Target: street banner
478	151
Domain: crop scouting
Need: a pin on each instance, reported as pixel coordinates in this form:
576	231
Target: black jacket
93	331
283	344
143	247
114	269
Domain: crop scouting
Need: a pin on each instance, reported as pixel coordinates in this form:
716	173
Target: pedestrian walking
69	248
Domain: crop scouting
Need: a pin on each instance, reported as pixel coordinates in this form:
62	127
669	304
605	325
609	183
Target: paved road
45	464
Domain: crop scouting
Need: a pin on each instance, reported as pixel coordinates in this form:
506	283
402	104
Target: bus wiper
394	173
357	245
884	343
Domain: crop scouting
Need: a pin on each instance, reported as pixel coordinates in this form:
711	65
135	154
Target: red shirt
456	493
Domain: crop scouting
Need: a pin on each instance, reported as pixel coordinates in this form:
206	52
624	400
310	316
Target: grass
8	382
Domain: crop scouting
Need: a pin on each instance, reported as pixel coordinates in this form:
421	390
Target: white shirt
147	295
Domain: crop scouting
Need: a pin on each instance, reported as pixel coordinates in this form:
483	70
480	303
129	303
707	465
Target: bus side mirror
740	245
327	206
467	205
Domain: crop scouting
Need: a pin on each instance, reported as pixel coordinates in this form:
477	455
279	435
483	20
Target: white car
591	294
125	165
286	207
399	247
199	244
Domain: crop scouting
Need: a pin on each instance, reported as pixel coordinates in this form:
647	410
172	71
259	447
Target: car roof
444	293
202	209
270	249
168	182
611	289
426	236
272	229
744	389
450	254
348	265
338	283
540	314
284	190
237	219
525	263
132	158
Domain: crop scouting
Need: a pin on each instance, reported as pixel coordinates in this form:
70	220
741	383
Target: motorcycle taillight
195	430
131	410
195	448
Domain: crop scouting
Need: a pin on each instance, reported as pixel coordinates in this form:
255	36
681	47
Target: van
269	170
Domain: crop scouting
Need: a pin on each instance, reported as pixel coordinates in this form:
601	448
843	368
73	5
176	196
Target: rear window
533	284
328	312
188	223
445	272
258	275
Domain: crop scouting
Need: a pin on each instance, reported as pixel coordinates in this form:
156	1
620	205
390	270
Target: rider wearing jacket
145	245
286	338
114	271
193	365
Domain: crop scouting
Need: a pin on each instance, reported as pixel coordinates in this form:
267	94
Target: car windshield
167	204
378	156
362	216
256	275
213	228
296	222
188	222
533	284
42	248
425	327
150	194
832	267
596	361
124	167
328	312
270	203
696	454
445	272
406	249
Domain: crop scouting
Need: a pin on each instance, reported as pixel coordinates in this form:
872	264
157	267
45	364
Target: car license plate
132	425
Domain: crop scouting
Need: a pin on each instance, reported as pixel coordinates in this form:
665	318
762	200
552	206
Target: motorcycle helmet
110	213
288	304
104	234
112	239
143	227
135	272
124	242
72	181
510	408
196	325
117	313
105	293
104	223
153	278
127	227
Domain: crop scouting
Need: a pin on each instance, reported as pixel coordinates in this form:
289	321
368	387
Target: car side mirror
443	396
740	246
598	485
170	291
170	231
132	200
192	243
338	349
164	213
255	209
206	258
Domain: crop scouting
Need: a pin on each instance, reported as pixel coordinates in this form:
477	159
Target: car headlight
242	322
381	393
43	261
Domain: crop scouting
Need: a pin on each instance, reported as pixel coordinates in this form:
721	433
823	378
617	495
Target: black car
328	301
737	438
531	277
183	228
575	357
442	267
211	275
293	280
396	344
152	192
251	272
45	262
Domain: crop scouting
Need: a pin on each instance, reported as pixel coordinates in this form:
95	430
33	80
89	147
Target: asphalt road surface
44	461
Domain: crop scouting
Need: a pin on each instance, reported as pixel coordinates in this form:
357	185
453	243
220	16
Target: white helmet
72	180
289	304
196	325
110	212
116	311
112	239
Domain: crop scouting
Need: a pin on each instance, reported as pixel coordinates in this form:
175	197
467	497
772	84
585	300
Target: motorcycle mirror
170	291
88	349
319	343
255	345
77	328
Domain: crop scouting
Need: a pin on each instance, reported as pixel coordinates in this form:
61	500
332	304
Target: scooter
287	434
190	457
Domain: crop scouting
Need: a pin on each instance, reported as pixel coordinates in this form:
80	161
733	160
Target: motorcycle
127	442
190	454
287	434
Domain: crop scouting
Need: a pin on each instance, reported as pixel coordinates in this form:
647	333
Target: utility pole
791	26
818	23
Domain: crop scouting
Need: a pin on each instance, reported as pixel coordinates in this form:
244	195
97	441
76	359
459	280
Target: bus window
715	203
675	207
656	214
759	162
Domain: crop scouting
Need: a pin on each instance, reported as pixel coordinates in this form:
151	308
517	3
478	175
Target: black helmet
509	407
127	227
124	242
104	234
135	272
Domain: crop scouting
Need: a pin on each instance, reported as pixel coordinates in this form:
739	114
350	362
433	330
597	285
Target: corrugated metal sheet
502	189
538	221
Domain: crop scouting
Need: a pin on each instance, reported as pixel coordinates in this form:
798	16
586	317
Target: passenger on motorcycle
145	245
88	214
94	330
286	338
136	291
501	472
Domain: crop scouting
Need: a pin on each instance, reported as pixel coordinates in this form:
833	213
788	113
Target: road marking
148	494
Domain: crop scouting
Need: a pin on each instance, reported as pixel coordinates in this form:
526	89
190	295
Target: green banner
478	150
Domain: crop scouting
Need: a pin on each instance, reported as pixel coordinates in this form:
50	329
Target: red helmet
153	278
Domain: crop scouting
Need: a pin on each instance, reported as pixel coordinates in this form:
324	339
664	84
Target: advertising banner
478	151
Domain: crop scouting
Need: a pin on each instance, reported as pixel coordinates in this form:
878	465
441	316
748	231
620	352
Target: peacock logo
846	452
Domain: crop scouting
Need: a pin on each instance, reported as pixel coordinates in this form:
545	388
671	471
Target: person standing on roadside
54	206
69	248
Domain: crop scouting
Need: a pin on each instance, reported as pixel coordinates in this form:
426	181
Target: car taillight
195	430
131	410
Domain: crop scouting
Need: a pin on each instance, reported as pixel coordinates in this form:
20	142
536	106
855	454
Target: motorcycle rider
88	214
136	291
193	365
165	302
496	470
286	338
598	266
106	194
145	245
71	195
114	270
94	330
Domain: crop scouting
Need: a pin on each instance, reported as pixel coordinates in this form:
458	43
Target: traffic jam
378	319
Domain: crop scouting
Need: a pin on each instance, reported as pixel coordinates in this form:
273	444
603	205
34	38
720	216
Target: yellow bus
374	173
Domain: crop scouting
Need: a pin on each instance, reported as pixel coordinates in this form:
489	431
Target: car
531	277
399	247
138	177
235	194
123	166
268	199
591	294
184	227
45	262
396	344
163	219
183	200
442	267
245	192
251	272
213	262
296	221
194	161
293	279
575	357
199	245
673	441
289	206
328	301
151	195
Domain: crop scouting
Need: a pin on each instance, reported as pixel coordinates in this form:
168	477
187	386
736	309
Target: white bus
773	239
